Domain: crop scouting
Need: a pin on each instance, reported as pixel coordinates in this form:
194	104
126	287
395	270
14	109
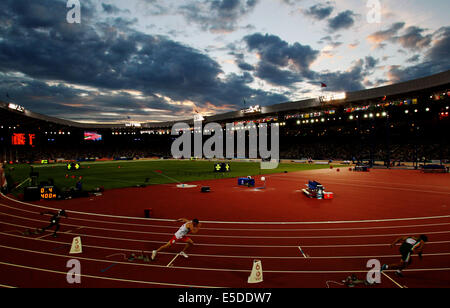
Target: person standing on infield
189	226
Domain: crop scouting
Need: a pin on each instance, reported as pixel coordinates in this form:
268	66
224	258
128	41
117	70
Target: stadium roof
404	88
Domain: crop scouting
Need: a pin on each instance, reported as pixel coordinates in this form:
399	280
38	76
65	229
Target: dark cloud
436	60
379	38
371	62
288	63
274	75
217	15
412	37
351	80
109	57
245	66
413	59
343	20
110	9
319	11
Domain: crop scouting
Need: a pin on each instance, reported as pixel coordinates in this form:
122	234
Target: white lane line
225	245
235	236
106	278
217	269
234	256
239	222
235	229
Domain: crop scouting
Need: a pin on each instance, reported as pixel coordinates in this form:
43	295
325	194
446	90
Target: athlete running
410	245
189	226
54	221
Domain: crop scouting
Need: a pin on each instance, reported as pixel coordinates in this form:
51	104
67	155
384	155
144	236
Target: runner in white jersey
189	226
410	244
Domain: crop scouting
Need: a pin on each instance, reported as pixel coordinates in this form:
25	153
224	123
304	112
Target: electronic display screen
92	136
48	193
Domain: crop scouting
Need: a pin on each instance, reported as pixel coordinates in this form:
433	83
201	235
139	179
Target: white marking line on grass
398	285
173	260
238	222
231	229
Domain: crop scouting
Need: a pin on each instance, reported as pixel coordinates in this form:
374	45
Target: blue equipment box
246	181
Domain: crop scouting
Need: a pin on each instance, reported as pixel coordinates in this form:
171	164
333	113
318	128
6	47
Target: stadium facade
407	121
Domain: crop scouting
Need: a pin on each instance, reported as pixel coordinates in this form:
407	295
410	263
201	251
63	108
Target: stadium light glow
16	107
333	97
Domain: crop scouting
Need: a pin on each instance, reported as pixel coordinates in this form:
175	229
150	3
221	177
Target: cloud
107	57
379	37
436	60
342	21
413	39
284	60
217	15
353	79
319	11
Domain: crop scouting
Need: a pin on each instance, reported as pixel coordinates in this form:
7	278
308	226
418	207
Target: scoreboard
23	139
48	193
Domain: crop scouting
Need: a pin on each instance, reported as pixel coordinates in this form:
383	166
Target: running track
333	246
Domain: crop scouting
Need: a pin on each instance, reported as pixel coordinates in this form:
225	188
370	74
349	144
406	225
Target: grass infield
121	174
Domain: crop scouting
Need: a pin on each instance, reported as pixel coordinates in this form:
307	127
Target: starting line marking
173	260
398	285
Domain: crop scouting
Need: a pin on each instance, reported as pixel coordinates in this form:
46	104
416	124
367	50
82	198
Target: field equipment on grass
316	190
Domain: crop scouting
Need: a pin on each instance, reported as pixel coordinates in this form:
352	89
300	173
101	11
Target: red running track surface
240	224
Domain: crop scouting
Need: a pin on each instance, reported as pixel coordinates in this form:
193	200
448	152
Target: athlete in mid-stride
54	221
189	226
410	245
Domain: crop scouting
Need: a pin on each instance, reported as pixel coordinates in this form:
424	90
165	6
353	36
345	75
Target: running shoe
184	254
154	255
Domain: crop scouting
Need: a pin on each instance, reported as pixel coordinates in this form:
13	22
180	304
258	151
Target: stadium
382	152
224	151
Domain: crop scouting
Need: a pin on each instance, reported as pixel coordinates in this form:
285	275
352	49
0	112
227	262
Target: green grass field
133	173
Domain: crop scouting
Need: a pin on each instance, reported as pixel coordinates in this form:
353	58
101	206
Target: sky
152	60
